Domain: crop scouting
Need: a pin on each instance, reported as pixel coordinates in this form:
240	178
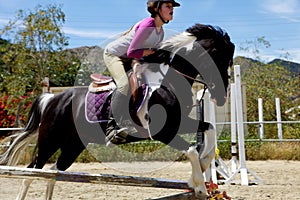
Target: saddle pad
97	106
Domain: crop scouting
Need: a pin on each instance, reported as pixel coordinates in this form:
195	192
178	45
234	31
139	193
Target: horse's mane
178	41
198	32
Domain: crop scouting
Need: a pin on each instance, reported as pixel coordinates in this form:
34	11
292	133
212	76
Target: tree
36	50
268	81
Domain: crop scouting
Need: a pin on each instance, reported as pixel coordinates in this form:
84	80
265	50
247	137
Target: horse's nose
219	102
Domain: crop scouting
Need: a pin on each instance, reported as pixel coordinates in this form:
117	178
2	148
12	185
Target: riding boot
115	133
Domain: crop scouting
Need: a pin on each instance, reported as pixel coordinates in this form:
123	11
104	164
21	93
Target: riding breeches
116	68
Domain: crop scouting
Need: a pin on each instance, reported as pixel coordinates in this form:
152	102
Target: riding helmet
175	4
152	4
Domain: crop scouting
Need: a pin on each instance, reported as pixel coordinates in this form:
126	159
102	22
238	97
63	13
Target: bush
9	110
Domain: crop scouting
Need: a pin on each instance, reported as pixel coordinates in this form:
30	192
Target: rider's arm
142	32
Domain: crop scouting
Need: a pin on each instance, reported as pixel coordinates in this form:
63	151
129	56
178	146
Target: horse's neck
154	78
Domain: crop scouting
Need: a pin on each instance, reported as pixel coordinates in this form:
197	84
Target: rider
139	41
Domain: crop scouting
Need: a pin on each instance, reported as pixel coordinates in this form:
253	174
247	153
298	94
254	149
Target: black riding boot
115	133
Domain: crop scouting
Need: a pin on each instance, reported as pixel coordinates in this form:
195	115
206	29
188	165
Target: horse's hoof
201	195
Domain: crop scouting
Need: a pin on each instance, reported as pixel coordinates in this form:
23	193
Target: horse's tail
23	139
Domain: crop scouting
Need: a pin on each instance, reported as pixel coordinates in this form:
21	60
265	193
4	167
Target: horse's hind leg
68	155
24	189
50	185
50	188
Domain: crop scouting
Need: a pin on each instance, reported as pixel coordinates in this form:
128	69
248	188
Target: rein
189	77
194	79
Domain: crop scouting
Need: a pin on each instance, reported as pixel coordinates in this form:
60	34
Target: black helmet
175	4
152	4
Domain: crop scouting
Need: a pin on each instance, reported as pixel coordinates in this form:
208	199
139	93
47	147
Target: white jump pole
240	125
278	113
260	118
213	122
240	129
234	154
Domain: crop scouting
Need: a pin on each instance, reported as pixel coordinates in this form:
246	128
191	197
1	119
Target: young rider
139	41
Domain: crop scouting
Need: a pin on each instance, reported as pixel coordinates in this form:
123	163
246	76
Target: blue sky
90	22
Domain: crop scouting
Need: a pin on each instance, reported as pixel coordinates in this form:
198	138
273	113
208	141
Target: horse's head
220	49
206	51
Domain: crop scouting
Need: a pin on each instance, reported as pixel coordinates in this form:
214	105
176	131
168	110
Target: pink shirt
143	35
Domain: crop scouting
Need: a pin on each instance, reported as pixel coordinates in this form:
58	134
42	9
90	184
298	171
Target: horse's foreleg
24	189
208	152
197	179
206	161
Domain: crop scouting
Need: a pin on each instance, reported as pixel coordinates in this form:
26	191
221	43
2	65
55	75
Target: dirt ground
281	181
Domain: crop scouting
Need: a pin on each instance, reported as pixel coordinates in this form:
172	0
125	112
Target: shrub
9	107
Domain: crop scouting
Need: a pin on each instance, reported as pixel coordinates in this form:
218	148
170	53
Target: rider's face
166	11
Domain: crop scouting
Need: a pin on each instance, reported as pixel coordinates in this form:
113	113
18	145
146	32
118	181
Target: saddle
101	83
100	91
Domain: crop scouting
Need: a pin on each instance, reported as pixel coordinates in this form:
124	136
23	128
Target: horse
201	53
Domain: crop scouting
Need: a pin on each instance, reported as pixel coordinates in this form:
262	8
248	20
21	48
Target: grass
273	151
156	151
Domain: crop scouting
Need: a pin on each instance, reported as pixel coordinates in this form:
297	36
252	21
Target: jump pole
233	161
278	114
40	174
260	118
243	170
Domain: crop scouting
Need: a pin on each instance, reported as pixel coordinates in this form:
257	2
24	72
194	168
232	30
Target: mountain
247	63
291	66
90	55
93	55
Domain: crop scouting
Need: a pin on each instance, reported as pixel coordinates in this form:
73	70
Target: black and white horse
60	121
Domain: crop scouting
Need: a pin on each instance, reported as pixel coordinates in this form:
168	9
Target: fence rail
263	122
11	129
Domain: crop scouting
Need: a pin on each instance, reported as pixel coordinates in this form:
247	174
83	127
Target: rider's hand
148	52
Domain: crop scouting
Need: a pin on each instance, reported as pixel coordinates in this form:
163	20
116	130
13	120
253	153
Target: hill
92	56
247	63
291	66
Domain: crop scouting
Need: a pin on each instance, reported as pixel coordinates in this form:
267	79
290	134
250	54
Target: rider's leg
115	131
119	106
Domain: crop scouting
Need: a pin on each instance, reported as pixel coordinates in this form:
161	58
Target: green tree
268	81
36	50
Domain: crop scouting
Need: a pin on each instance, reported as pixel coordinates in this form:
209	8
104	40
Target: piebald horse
202	52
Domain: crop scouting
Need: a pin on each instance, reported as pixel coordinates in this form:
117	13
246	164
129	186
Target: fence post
278	113
240	125
45	85
260	118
